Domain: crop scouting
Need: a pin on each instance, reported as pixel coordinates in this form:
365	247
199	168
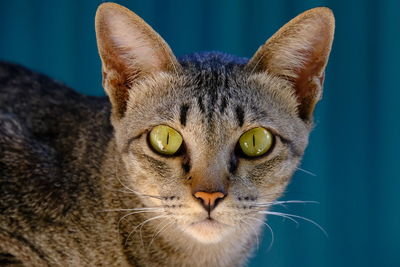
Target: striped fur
80	189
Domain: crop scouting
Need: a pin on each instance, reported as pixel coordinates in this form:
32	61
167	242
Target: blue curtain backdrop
354	149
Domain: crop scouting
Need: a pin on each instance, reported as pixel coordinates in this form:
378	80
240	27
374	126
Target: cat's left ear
130	50
299	52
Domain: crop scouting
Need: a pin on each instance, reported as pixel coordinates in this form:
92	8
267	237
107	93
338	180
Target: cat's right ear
130	50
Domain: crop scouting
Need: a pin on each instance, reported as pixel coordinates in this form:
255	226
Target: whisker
159	232
141	225
136	192
152	196
254	231
117	190
136	212
257	63
298	201
295	216
270	229
123	185
272	203
282	203
291	219
130	189
273	195
130	192
138	209
140	230
307	172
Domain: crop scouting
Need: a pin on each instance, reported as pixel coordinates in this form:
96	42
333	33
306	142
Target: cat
180	164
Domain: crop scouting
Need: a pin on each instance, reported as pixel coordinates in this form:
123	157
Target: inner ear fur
129	50
299	52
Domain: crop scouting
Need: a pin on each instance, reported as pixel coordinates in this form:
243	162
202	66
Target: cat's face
211	130
211	105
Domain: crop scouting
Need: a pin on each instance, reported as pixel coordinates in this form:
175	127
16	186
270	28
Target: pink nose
209	200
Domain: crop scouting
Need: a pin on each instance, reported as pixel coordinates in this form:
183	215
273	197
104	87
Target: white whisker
137	212
130	189
281	202
269	228
272	236
140	229
291	219
136	192
305	171
141	225
257	63
254	231
271	195
135	209
286	215
159	232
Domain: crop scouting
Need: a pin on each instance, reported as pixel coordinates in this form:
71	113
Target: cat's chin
208	231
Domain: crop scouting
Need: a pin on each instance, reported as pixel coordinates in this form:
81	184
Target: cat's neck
152	241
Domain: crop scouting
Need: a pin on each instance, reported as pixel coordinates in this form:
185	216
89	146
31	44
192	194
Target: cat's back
45	106
51	140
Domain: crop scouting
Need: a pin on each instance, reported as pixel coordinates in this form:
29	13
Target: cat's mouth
208	230
208	222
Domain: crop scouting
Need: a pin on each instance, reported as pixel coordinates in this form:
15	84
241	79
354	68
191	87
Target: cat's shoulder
51	139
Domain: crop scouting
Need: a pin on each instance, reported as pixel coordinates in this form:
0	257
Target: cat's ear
299	52
130	50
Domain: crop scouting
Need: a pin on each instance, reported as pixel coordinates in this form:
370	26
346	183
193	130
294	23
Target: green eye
256	142
165	140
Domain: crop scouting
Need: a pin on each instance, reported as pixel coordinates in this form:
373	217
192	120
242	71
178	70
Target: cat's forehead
213	81
218	84
215	94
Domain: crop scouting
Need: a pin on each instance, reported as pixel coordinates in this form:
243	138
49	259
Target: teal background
354	149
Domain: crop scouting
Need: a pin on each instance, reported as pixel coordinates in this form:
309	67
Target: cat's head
213	137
